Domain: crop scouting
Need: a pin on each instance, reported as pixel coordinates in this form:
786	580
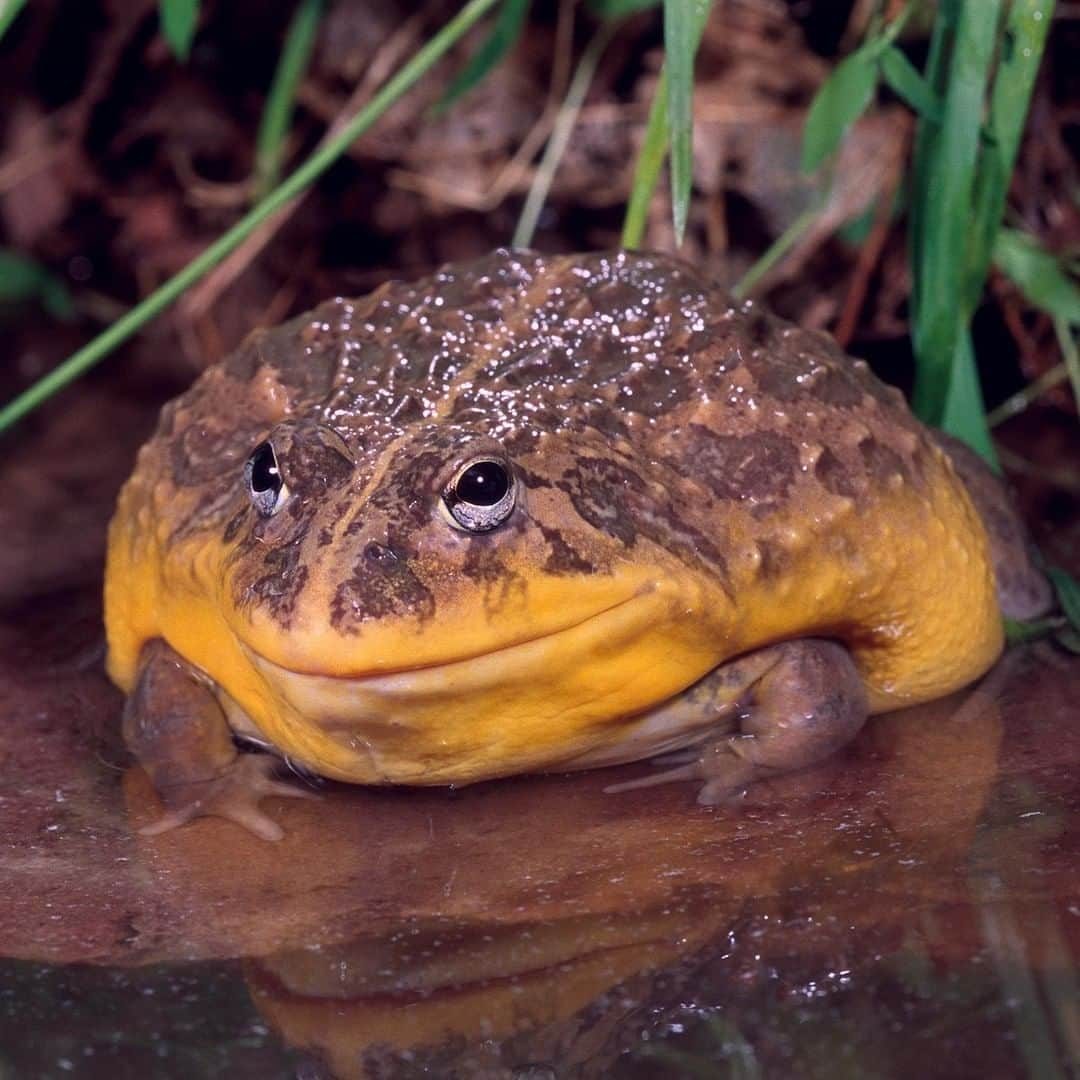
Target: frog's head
446	603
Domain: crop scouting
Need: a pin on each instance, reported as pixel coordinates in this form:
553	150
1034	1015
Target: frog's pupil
264	470
483	483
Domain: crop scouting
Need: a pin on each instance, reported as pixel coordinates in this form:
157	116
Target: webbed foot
174	725
235	794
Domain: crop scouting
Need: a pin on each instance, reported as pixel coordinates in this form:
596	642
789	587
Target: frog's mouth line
371	675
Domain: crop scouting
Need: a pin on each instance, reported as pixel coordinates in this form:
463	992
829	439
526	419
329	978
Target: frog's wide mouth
507	652
521	705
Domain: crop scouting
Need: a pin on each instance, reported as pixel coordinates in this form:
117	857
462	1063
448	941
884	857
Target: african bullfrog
538	513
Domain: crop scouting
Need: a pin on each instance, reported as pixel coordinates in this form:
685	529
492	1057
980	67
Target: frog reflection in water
540	513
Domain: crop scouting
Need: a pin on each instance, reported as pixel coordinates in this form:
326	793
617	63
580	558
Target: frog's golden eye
267	489
481	496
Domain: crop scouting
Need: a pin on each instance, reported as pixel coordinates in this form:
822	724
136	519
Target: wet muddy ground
910	908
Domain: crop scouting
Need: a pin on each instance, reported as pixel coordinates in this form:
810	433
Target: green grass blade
503	37
891	32
22	279
1020	633
1026	25
619	9
846	94
647	170
904	79
1067	343
780	246
1045	284
964	412
560	135
684	22
840	101
946	212
1068	594
1038	275
19	277
8	10
179	19
277	115
927	135
315	166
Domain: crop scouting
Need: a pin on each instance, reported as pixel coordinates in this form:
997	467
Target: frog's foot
174	725
803	701
233	794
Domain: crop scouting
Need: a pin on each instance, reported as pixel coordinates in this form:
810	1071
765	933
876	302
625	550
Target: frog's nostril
380	554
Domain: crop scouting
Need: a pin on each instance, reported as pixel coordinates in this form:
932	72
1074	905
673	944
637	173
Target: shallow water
912	908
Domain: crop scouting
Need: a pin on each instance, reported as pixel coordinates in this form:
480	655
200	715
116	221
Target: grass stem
777	249
560	136
647	171
277	115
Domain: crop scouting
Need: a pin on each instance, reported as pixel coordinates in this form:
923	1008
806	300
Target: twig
1019	401
511	177
869	256
1059	476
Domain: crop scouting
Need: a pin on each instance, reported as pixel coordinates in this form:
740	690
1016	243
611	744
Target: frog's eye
264	483
481	496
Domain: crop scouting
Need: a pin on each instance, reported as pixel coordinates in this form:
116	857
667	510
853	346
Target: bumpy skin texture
697	481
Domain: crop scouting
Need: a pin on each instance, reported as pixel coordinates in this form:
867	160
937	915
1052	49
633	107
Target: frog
541	513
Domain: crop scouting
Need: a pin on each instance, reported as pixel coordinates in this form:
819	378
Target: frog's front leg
175	727
777	709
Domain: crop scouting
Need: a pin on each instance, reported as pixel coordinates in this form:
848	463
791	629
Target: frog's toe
725	772
691	771
285	790
234	795
716	793
247	815
171	819
724	775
